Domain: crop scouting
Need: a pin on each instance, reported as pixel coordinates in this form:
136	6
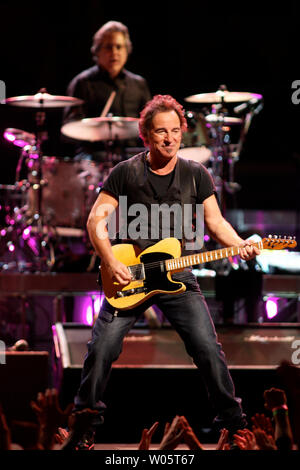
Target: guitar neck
205	257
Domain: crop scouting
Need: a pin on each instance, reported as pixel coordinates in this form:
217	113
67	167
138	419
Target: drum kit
54	198
209	140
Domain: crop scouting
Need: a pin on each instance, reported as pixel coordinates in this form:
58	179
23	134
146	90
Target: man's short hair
160	104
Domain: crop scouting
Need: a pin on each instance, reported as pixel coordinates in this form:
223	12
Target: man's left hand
248	250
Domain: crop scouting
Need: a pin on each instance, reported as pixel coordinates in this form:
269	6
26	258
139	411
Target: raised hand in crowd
223	442
147	437
50	416
276	402
290	376
263	440
173	435
275	398
245	440
262	422
61	435
189	437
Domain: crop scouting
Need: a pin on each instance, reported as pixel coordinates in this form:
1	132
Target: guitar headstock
275	242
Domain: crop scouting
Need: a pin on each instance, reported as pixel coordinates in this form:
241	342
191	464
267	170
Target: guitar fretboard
205	257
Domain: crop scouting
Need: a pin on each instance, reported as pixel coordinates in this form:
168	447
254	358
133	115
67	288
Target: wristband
281	407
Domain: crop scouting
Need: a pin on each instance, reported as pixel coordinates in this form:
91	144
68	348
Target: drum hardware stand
219	152
235	150
230	185
37	188
223	150
34	157
247	121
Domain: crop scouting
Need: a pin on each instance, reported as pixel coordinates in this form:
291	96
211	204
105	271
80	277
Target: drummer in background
111	48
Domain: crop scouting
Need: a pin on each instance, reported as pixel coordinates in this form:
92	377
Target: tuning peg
270	236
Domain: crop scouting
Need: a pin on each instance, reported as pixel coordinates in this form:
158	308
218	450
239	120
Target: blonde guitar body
151	269
152	281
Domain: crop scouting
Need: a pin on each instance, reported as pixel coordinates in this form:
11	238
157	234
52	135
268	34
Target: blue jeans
189	316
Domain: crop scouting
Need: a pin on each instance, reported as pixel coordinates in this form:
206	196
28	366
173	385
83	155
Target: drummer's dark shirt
94	87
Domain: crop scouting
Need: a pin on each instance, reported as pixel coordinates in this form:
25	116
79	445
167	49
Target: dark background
181	49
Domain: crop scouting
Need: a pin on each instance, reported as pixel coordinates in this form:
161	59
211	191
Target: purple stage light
32	243
86	307
26	233
20	143
89	315
11	247
9	136
271	307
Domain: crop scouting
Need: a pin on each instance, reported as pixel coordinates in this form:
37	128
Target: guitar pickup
137	272
128	292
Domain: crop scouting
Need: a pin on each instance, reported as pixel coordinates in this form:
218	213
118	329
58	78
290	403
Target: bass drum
196	140
68	190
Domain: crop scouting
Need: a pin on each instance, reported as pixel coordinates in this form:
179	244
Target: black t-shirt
155	207
160	183
115	184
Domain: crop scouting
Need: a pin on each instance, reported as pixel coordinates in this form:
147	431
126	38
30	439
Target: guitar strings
155	264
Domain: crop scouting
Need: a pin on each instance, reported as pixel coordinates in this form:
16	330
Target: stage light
9	136
97	303
86	307
89	315
32	243
271	307
11	247
26	233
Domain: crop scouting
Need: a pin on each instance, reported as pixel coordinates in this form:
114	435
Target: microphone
250	104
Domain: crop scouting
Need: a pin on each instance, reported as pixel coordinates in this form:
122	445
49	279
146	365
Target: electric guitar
152	268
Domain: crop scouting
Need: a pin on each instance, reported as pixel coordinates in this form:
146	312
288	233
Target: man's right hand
118	272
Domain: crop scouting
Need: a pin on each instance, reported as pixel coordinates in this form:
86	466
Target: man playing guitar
159	176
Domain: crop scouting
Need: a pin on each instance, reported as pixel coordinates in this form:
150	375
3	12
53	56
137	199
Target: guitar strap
188	186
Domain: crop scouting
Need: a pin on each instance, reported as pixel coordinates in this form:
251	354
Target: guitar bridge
137	272
128	292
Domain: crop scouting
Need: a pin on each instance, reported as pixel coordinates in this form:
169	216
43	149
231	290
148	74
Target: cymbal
215	119
220	96
42	100
19	137
102	128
